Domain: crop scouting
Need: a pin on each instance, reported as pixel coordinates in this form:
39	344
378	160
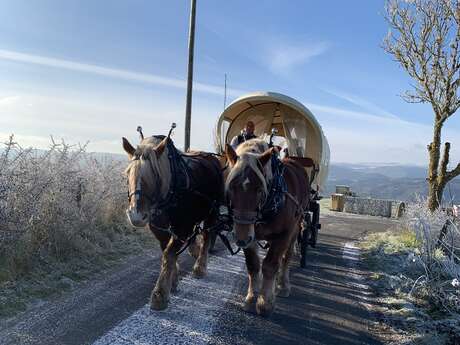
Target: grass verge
49	276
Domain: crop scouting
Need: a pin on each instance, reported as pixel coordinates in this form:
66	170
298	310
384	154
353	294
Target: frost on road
192	312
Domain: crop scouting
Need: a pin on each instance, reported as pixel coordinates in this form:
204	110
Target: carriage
179	195
286	123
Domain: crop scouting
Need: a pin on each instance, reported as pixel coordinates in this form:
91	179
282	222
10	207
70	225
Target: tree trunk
434	195
435	189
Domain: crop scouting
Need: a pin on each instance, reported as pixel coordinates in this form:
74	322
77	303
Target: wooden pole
225	91
188	106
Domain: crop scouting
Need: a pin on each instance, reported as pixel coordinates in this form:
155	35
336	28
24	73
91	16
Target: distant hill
391	181
386	181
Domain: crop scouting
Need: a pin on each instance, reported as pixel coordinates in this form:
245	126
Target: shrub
57	204
437	252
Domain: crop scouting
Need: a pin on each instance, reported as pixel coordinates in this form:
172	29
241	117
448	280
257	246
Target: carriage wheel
304	239
314	208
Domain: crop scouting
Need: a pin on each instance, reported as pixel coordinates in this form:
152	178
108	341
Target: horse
257	176
172	192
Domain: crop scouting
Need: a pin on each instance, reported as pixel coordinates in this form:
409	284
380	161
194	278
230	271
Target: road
326	305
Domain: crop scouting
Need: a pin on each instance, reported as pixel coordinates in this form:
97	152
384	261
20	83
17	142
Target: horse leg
266	300
175	277
200	267
164	237
253	265
160	294
284	287
194	248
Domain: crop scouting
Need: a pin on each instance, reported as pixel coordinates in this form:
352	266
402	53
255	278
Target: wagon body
303	134
298	131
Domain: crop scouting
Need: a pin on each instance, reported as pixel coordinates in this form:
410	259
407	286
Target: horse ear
231	154
128	147
161	146
267	155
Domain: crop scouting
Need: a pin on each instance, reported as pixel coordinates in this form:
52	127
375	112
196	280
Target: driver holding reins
246	134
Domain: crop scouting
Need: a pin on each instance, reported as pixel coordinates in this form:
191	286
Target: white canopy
293	121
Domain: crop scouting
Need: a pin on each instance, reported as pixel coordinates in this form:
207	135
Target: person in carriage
246	134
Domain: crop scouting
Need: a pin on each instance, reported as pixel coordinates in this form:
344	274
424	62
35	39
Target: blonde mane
150	166
248	154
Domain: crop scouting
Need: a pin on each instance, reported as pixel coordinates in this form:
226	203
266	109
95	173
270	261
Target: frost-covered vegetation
417	276
438	254
59	206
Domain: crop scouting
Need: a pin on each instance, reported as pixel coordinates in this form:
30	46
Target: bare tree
424	38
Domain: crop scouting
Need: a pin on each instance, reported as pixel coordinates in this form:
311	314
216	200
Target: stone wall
368	206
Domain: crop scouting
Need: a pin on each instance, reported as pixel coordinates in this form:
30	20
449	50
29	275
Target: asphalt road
326	305
328	298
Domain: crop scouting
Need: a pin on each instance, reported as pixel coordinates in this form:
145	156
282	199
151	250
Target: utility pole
188	106
225	91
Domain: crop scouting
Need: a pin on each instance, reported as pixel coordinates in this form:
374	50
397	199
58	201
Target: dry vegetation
61	217
417	277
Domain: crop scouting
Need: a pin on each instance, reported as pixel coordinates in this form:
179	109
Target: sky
92	71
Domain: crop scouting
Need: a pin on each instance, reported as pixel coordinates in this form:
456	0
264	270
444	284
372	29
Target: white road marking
192	313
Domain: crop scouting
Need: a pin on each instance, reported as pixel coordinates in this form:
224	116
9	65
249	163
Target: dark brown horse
248	188
172	192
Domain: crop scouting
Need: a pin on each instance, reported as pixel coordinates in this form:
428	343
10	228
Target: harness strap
290	196
168	229
227	244
294	200
189	240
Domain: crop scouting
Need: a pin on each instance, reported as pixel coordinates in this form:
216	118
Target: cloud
35	117
359	115
362	103
112	72
283	57
9	100
356	136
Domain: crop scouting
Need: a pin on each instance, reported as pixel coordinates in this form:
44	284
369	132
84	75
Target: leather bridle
138	194
244	217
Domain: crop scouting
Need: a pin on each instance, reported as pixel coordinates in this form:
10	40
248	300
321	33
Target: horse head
148	177
246	186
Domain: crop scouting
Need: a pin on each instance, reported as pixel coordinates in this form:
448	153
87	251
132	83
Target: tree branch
453	173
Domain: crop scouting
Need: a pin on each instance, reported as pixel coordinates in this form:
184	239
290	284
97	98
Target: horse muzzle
244	234
137	219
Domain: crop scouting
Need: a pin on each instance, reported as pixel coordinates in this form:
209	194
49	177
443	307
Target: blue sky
93	70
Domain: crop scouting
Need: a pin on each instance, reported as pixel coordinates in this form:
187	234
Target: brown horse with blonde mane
172	192
255	172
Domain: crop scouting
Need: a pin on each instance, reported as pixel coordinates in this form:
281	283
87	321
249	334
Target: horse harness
273	202
182	182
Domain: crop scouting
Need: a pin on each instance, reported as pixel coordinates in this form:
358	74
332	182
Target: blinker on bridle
249	217
138	191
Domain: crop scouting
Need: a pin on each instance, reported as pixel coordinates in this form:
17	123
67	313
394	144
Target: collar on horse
180	179
181	184
277	190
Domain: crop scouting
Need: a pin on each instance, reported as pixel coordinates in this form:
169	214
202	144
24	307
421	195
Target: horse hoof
158	302
199	272
283	292
249	303
263	307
